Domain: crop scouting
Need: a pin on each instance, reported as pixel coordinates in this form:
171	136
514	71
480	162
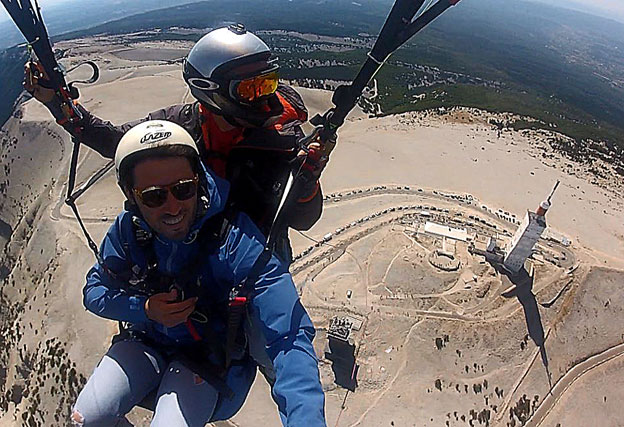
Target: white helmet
150	135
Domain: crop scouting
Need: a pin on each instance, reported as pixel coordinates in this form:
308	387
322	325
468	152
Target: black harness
209	357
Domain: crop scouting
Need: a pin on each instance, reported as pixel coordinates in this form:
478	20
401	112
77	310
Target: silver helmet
232	73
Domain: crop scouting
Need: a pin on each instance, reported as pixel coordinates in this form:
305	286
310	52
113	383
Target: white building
526	236
446	231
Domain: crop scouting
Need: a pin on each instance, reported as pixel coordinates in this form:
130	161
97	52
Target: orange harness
218	142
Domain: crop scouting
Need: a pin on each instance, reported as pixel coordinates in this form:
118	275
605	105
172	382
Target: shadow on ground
522	288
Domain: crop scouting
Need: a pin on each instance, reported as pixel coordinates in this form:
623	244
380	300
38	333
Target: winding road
564	383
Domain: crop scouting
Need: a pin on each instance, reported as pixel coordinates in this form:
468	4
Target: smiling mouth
174	220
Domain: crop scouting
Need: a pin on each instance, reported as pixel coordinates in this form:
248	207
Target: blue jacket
286	326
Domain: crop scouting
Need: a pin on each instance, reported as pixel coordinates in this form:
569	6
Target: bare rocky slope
47	340
433	348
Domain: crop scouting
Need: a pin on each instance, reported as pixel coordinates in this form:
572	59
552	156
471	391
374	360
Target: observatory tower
527	234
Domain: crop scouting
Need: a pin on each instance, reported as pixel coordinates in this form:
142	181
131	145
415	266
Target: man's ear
129	194
130	202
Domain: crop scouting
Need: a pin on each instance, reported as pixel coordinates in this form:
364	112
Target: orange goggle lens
257	87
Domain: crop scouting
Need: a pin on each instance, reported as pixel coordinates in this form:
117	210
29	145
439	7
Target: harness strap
237	306
192	330
215	229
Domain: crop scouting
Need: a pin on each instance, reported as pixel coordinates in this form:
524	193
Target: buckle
235	300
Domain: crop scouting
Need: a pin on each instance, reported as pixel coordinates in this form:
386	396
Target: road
318	258
569	378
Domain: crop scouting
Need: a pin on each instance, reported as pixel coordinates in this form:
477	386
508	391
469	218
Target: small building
491	244
446	231
341	351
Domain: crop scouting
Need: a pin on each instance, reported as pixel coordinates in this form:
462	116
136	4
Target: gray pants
130	370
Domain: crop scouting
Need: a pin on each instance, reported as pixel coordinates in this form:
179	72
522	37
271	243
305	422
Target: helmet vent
237	28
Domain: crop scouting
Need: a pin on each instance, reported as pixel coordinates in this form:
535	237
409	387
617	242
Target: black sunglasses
156	196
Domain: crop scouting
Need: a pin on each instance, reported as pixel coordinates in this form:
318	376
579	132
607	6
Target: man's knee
77	418
84	418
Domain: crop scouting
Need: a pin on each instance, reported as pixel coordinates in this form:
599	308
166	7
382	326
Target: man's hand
314	161
32	78
164	308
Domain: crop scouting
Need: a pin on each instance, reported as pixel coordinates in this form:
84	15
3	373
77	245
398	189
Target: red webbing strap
192	330
236	310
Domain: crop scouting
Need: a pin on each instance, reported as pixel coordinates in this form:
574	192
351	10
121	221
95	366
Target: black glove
314	162
314	158
37	83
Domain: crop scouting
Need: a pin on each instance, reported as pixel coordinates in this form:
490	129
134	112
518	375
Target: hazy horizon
62	16
609	9
4	16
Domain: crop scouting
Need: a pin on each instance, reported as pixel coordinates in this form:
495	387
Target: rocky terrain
435	347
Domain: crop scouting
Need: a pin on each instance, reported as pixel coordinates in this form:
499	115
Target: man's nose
172	205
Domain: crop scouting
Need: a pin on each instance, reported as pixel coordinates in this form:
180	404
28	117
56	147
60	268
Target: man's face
172	219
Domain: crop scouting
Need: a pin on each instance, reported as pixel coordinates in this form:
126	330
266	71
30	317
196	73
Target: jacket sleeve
308	209
287	328
103	136
104	293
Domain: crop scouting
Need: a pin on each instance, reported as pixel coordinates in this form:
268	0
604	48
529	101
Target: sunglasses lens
154	197
184	190
257	87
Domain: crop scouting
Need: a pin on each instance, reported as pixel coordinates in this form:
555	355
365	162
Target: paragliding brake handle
71	92
324	131
95	75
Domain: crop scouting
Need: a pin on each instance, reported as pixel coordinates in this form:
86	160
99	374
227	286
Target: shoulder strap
214	232
217	227
145	240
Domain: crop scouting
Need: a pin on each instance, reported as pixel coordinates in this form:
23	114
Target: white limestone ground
458	152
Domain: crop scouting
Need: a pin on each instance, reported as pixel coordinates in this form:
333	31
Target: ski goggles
254	88
156	196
